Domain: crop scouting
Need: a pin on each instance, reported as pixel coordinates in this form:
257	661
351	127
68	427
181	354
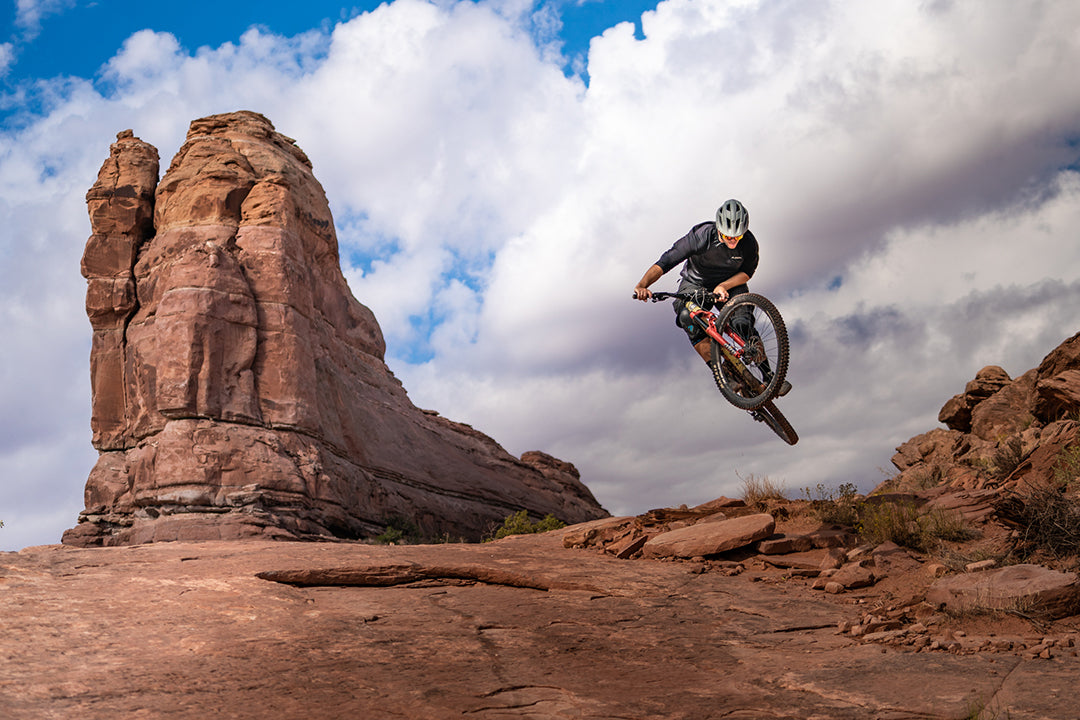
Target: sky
911	170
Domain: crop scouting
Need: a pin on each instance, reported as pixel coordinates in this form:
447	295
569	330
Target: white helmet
732	219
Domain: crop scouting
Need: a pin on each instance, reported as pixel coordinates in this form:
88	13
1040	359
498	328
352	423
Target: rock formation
1002	433
239	388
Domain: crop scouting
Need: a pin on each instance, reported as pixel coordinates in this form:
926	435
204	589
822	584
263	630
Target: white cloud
29	14
7	58
910	150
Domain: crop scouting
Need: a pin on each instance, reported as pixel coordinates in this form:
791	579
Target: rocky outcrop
239	388
1002	433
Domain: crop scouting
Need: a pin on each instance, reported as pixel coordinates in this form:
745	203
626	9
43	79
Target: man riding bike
718	257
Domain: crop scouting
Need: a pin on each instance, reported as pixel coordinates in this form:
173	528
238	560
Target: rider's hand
721	293
642	293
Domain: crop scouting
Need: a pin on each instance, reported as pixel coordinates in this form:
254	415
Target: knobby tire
730	381
771	416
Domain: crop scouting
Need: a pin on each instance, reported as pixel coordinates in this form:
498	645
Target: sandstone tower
239	389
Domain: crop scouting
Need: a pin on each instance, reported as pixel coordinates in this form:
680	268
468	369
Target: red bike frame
730	341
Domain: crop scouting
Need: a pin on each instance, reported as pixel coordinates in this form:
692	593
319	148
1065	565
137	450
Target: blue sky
515	166
73	37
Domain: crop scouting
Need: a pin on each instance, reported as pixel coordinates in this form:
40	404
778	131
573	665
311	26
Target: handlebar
698	297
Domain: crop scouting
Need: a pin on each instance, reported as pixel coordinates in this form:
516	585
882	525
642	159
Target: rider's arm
641	290
721	290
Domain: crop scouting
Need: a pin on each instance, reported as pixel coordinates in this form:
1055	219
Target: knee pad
691	328
684	320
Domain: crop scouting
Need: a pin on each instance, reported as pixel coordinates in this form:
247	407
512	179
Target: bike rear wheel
771	416
762	355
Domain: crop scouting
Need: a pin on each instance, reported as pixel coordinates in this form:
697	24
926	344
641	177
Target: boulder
957	412
855	575
1007	411
239	389
934	446
1031	589
711	538
1058	395
720	503
821	538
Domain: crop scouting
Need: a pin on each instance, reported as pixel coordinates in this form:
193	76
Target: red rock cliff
239	388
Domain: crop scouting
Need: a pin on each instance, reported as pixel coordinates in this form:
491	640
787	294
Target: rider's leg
704	349
701	342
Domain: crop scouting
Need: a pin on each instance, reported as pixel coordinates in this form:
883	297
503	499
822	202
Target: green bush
399	531
890	521
930	476
833	507
904	524
939	524
1067	465
519	524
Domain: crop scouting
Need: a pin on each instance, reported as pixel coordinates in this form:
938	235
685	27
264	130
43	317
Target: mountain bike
749	352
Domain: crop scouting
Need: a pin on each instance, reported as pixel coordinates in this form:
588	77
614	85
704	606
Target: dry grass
906	525
1006	458
1049	522
758	491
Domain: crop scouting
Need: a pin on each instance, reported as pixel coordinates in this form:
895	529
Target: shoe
785	387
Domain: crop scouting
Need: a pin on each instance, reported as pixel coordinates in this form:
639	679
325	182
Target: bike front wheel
753	370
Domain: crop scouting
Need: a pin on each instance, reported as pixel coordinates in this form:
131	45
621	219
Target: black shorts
682	315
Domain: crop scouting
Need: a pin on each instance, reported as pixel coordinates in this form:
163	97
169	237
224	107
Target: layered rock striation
239	389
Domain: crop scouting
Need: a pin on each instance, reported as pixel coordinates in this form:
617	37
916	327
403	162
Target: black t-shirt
709	261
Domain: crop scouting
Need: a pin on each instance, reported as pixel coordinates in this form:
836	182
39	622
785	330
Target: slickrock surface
239	389
520	628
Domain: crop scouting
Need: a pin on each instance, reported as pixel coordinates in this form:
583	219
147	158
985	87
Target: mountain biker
718	257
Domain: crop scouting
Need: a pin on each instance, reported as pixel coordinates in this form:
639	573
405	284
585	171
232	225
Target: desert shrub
928	476
1066	466
904	524
833	506
890	521
519	524
1006	458
399	531
948	525
758	490
1049	522
983	466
